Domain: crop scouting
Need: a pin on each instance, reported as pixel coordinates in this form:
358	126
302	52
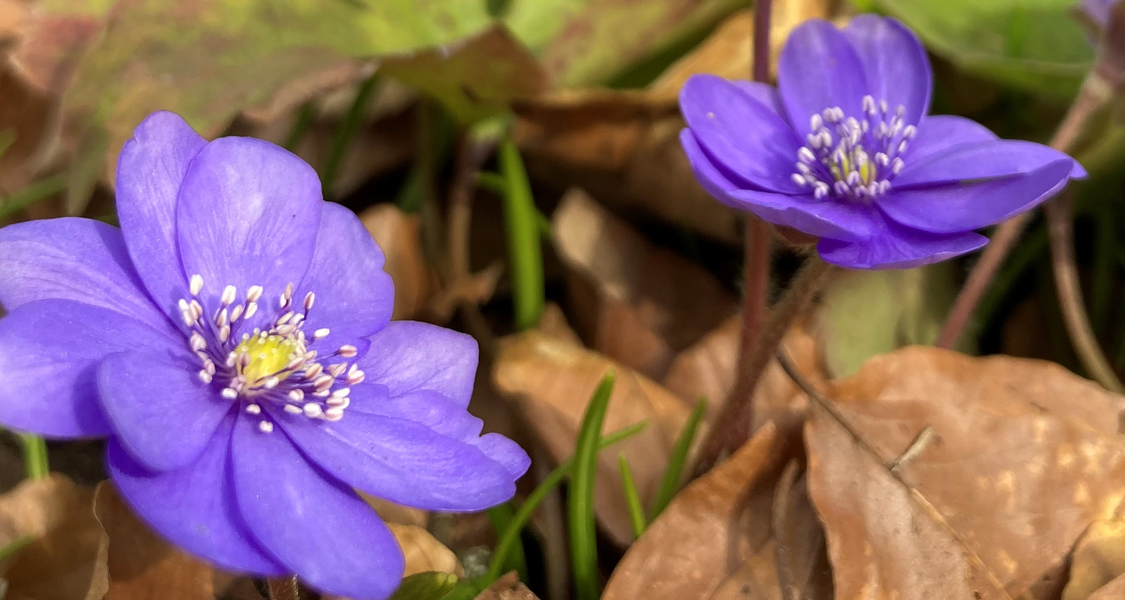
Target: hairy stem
755	287
1093	96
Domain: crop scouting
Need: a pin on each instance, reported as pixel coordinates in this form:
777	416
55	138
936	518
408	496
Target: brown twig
284	588
781	530
755	287
1092	97
1060	230
732	426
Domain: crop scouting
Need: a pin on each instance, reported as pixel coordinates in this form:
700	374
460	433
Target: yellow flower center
269	357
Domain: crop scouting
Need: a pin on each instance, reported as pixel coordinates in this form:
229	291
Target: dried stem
1060	229
755	287
284	588
1093	96
732	427
781	530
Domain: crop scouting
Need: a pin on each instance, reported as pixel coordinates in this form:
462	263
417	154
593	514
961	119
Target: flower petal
72	259
149	174
354	296
401	461
896	64
823	218
963	207
983	160
764	93
899	247
248	214
195	507
746	137
939	134
318	528
49	353
407	356
820	69
166	434
506	452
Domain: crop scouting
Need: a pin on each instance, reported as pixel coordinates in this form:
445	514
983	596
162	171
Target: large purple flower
232	341
844	150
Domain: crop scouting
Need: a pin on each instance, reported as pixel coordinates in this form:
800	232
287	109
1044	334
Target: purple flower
843	150
232	341
1097	10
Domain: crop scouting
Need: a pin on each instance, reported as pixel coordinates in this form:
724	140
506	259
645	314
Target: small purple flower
232	340
843	150
1097	10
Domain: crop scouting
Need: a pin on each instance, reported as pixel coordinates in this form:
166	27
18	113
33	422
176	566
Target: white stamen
224	333
296	395
334	414
806	155
354	378
342	393
270	382
196	284
283	319
254	409
309	299
265	427
251	308
815	123
228	393
235	313
197	342
897	165
321	333
205	377
323	382
229	294
254	293
348	351
337	369
313	371
313	410
799	180
293	410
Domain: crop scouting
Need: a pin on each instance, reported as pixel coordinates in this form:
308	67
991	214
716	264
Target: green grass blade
670	483
7	138
492	182
632	498
516	560
580	497
31	194
301	125
523	237
345	133
508	539
35	456
14	546
429	585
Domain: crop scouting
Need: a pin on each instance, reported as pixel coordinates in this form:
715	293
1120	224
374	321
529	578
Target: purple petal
407	356
195	507
1098	10
939	134
354	297
745	136
896	64
956	208
506	452
149	174
764	93
983	160
317	528
820	69
248	214
165	434
72	259
898	247
828	217
401	461
49	353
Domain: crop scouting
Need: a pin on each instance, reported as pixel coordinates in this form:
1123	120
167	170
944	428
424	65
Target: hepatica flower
232	341
844	150
1097	10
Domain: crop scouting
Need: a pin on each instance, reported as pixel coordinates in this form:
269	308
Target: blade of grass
15	546
492	182
44	188
632	498
301	125
580	493
7	138
523	237
554	478
35	456
670	483
345	133
501	517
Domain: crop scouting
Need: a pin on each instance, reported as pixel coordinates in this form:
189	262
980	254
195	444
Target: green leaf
35	456
670	483
522	228
1031	44
516	560
431	585
580	497
632	497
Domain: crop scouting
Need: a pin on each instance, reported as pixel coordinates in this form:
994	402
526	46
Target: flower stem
732	426
35	456
761	48
1092	97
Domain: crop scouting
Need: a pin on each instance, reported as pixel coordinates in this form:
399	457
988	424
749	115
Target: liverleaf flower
232	340
844	150
1097	10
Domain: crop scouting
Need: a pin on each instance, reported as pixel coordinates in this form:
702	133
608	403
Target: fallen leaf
1023	458
1098	559
711	528
640	304
507	587
141	564
399	236
552	381
1112	591
397	513
423	552
59	561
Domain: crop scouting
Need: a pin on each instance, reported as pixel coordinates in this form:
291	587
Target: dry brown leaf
507	587
423	552
1114	590
60	561
1098	559
143	566
552	381
640	304
399	235
711	528
397	513
1024	458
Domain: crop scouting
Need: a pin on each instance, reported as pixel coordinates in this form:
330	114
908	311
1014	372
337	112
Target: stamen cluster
276	364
